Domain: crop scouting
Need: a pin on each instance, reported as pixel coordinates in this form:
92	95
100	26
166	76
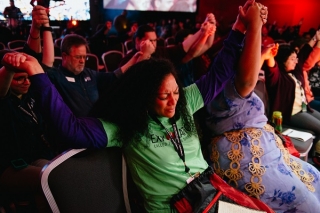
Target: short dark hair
142	29
71	40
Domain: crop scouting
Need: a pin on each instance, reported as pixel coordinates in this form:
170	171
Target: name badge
70	79
190	179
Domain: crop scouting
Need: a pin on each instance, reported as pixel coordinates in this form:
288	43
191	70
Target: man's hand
147	47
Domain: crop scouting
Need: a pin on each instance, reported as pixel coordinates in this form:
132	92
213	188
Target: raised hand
252	17
240	25
208	28
210	18
40	16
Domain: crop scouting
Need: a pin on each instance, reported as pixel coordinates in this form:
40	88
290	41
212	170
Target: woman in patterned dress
248	154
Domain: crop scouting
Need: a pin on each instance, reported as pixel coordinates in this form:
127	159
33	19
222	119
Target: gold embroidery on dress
306	177
254	188
235	155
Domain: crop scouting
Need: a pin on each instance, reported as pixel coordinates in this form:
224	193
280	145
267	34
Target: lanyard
175	139
32	114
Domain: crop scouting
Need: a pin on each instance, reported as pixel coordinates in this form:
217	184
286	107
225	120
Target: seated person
285	84
24	147
311	76
79	86
246	152
174	53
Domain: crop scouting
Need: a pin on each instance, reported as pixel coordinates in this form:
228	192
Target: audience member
79	86
174	53
24	147
13	15
311	62
285	85
246	152
98	42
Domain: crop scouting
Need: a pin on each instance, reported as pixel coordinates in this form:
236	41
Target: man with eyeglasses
25	146
79	86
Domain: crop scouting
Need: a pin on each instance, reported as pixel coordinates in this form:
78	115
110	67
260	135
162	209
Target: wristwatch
42	28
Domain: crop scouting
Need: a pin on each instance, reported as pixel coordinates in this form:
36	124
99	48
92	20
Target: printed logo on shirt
70	79
87	79
162	140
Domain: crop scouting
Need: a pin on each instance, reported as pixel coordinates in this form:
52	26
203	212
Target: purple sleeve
222	69
79	132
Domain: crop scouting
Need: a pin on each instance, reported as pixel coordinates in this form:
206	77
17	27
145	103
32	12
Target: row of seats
15	45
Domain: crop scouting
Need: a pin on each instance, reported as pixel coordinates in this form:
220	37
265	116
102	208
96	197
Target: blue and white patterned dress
248	154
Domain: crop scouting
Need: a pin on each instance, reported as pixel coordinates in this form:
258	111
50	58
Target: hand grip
11	67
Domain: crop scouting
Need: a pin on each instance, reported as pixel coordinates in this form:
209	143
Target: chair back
83	180
2	46
92	61
57	42
16	45
128	45
57	61
170	41
111	60
115	44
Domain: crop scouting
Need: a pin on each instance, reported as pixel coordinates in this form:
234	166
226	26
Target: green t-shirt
154	164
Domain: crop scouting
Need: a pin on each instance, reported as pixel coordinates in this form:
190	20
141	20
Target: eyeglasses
78	57
21	79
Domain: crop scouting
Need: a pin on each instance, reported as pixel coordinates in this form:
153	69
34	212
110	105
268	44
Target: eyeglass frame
23	79
78	57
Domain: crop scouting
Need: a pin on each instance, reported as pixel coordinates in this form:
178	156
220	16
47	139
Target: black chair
170	41
128	45
115	44
57	42
2	46
92	62
16	45
57	61
111	60
82	181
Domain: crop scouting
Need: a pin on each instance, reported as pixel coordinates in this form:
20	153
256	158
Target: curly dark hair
132	97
